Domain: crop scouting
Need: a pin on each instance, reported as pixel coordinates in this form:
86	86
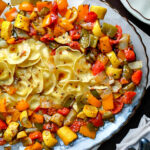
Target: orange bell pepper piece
94	101
66	25
22	105
62	5
2	6
26	6
37	118
82	12
107	102
41	5
3	105
58	30
11	14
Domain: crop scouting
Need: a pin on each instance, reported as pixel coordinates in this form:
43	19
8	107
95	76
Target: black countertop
145	105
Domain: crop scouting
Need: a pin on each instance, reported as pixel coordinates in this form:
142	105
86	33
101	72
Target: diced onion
135	65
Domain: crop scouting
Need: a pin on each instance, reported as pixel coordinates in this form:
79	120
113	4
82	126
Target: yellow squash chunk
107	102
81	115
48	139
97	29
66	134
114	72
84	130
6	29
113	59
90	111
24	120
22	22
11	131
21	134
99	10
105	45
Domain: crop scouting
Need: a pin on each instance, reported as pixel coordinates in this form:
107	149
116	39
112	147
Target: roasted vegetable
113	59
135	65
109	30
57	118
21	34
105	45
90	111
70	117
24	120
6	29
127	72
44	11
48	139
11	131
22	22
71	14
107	102
66	134
63	39
95	94
3	6
26	141
99	10
93	101
85	131
124	42
38	28
21	134
114	72
33	15
107	115
93	41
129	87
85	40
81	115
97	29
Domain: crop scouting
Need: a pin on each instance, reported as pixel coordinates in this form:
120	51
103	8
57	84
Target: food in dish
62	72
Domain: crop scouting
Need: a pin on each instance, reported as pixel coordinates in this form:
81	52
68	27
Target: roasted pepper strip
117	36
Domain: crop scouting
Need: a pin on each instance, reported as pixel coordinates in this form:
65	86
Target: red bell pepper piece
55	7
36	135
75	34
50	127
74	45
98	121
136	77
75	127
129	55
3	125
90	17
117	36
97	67
46	38
2	141
51	111
53	52
127	97
64	111
118	105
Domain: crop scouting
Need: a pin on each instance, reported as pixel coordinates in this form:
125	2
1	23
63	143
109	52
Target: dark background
145	105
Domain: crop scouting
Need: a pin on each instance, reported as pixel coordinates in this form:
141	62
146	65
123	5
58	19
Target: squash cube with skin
21	135
90	111
6	29
22	22
58	119
24	120
48	139
11	131
99	10
113	59
97	29
66	134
